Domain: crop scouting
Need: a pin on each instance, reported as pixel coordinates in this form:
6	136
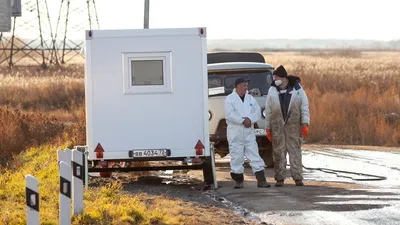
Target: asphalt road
326	198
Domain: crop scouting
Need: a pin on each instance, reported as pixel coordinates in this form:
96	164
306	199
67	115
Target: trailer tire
266	155
265	151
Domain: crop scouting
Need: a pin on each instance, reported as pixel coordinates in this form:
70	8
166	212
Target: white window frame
165	57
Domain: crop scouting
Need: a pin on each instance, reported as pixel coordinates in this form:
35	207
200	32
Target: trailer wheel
104	164
266	155
105	174
265	151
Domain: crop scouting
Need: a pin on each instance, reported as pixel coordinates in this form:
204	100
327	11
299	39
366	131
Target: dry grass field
40	106
42	111
350	93
108	203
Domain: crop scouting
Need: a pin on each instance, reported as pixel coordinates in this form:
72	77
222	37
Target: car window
260	81
214	82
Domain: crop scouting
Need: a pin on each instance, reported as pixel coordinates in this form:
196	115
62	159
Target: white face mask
278	82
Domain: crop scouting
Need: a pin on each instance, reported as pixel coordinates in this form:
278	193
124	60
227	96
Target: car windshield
260	81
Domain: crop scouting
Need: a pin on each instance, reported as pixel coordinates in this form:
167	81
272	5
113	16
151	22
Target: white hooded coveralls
286	135
242	140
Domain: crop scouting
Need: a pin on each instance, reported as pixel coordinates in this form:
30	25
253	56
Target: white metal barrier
72	167
32	199
73	176
77	181
65	194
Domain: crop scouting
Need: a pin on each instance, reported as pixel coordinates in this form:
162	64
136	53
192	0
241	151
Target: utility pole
146	13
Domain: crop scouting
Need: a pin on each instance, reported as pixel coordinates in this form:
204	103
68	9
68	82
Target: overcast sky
255	19
259	19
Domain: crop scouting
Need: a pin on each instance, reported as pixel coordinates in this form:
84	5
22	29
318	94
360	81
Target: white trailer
147	100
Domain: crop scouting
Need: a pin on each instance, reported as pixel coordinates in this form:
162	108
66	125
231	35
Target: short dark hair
242	80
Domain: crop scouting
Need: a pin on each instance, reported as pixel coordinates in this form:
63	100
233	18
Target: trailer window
147	72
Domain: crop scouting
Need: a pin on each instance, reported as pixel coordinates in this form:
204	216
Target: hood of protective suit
293	80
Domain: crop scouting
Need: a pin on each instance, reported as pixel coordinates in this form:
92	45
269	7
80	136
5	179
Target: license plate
149	153
260	132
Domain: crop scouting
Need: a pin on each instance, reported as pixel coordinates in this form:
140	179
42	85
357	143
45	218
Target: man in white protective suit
241	112
287	120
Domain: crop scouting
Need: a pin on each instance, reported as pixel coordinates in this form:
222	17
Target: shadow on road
324	196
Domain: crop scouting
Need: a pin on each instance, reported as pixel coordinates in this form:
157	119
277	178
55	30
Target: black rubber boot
279	183
261	181
239	178
299	183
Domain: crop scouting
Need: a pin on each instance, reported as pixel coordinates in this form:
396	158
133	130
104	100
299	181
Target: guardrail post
86	154
85	165
64	156
32	200
65	194
77	181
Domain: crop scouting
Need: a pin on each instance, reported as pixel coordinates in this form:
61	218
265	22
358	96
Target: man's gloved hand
304	130
269	135
246	122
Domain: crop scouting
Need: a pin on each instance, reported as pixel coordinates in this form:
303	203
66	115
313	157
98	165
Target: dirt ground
372	197
209	208
326	198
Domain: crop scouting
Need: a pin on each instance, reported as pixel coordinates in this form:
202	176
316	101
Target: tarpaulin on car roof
221	57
